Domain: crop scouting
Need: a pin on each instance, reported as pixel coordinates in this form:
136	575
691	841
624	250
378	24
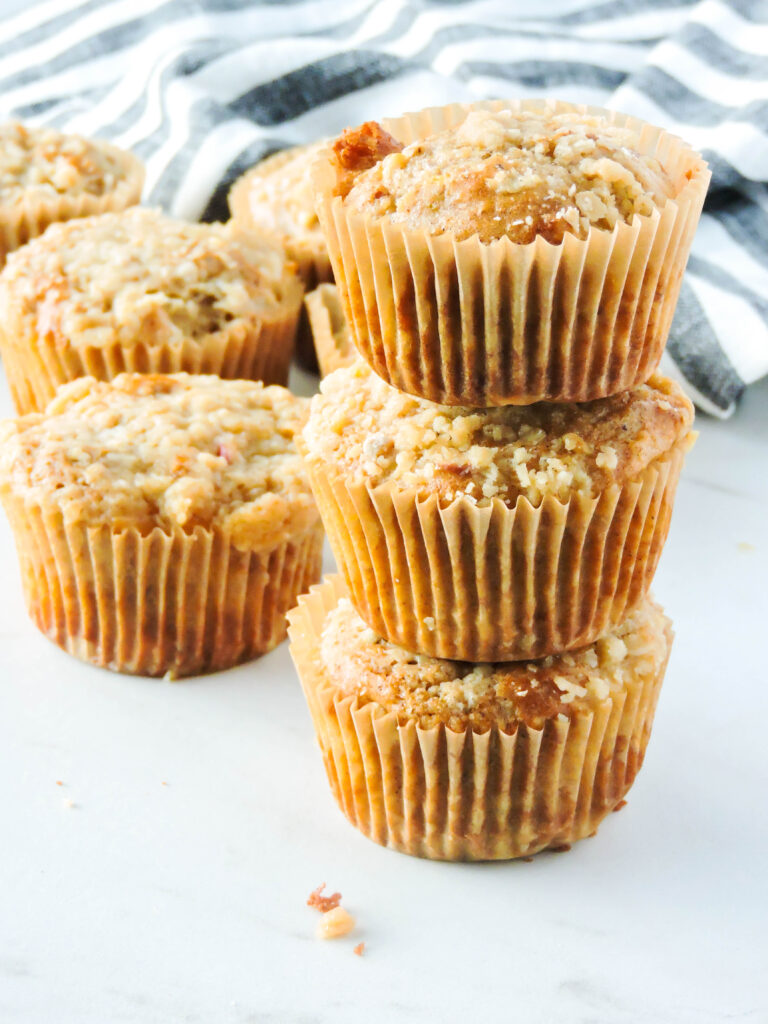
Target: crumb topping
171	451
505	173
46	163
277	194
373	434
457	694
142	276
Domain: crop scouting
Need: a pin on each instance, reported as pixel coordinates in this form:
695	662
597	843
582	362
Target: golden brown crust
462	695
368	432
500	174
170	451
140	277
359	149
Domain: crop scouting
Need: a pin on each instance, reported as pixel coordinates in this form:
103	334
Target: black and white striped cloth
201	89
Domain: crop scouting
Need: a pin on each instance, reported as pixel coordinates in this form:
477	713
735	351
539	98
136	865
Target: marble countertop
166	879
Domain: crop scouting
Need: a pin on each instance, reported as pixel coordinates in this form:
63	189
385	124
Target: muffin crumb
359	949
335	923
323	903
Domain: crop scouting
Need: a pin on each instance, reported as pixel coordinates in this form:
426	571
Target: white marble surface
148	902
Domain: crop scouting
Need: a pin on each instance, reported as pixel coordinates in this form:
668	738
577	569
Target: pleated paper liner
464	795
496	583
36	367
27	219
310	255
330	330
157	603
468	323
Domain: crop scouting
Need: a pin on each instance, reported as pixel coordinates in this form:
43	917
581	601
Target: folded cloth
202	89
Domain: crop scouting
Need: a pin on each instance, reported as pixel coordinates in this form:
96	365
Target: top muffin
140	276
504	173
39	163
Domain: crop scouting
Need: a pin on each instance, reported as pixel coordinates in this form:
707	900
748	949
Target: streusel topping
279	194
142	276
173	450
373	434
457	694
42	162
504	173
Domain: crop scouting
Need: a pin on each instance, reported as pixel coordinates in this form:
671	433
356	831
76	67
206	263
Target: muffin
458	761
330	331
509	252
276	196
46	176
164	523
500	533
140	291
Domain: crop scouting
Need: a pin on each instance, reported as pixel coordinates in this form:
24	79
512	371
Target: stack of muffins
496	475
162	516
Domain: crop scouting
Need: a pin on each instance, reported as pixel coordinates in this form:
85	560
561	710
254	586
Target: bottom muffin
458	761
163	522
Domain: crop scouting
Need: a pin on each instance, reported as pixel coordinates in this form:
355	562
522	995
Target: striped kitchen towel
201	89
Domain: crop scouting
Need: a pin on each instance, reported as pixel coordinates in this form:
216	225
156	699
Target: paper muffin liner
36	367
29	217
470	323
330	331
309	254
156	603
496	583
451	795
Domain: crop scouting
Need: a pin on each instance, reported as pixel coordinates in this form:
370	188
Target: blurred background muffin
48	176
276	196
141	291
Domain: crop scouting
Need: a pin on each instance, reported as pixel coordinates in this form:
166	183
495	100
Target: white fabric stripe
706	80
95	21
503	49
746	147
483	86
724	21
739	329
35	16
217	152
714	244
649	24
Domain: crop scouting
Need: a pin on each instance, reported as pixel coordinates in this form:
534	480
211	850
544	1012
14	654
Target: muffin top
458	694
503	174
372	434
165	451
140	276
40	163
276	195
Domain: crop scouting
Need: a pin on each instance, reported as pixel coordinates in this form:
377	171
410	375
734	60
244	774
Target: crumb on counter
323	903
359	949
335	923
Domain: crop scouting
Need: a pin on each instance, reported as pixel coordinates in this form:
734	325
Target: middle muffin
494	534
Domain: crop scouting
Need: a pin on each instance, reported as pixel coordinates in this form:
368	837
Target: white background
185	902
